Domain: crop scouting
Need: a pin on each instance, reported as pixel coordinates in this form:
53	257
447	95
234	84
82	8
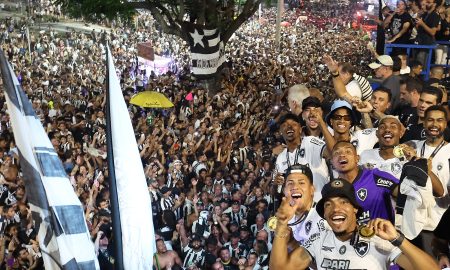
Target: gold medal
398	151
365	231
272	223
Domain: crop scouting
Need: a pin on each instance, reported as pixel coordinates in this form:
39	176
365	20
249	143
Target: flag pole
278	22
116	225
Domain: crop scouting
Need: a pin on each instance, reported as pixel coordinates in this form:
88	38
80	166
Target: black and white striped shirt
239	252
193	257
166	203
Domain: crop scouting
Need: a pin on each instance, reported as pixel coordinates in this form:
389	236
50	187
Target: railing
426	66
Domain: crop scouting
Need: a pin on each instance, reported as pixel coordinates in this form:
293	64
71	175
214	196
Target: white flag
138	236
56	210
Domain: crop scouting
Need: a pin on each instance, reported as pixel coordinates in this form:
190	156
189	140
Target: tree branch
250	8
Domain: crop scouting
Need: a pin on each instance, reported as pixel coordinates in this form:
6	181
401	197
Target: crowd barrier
409	50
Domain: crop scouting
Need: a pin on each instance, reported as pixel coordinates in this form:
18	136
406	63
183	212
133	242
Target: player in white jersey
302	151
437	151
299	187
389	132
340	247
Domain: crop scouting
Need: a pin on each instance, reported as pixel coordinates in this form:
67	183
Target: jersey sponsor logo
325	248
311	239
317	142
381	182
308	226
365	216
342	250
335	264
362	194
362	248
367	131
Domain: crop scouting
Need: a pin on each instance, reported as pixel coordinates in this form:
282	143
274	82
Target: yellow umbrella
151	99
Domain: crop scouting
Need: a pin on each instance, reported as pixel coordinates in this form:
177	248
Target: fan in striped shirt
194	253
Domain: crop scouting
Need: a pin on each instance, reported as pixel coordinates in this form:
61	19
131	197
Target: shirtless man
165	259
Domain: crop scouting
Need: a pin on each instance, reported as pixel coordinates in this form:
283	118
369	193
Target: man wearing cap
299	191
342	247
306	150
341	118
311	127
383	70
194	253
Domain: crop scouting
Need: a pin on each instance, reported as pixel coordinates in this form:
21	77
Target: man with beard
428	97
437	151
410	90
194	254
307	150
340	247
164	259
427	26
389	132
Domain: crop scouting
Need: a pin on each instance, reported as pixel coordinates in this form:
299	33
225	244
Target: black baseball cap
311	102
288	116
164	190
300	168
338	188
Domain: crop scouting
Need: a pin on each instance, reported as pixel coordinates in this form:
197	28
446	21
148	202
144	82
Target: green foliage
92	10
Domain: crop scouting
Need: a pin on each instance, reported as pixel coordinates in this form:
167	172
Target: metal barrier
426	68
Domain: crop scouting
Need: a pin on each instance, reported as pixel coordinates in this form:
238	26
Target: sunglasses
346	117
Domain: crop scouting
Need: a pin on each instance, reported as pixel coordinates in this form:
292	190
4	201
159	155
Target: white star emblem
361	194
197	38
362	248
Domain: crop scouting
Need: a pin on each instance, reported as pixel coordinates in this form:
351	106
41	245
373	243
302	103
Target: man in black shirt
429	96
427	26
410	90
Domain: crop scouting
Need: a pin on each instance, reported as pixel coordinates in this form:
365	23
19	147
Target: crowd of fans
211	161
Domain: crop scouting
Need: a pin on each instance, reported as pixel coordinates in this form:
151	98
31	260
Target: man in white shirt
342	247
299	188
307	150
389	132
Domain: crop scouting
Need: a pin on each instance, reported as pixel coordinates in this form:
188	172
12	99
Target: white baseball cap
382	60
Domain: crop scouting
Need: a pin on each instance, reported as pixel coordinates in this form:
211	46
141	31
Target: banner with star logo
207	50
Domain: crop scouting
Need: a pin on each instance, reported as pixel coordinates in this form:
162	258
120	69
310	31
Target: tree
174	17
170	14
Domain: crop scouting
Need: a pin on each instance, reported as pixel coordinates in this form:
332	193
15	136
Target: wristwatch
398	240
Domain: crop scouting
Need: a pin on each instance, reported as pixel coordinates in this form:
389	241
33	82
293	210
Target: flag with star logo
207	50
57	213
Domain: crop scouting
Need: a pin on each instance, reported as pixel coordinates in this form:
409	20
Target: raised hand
286	210
383	228
331	64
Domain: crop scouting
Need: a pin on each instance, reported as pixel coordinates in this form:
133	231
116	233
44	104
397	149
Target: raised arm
412	257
